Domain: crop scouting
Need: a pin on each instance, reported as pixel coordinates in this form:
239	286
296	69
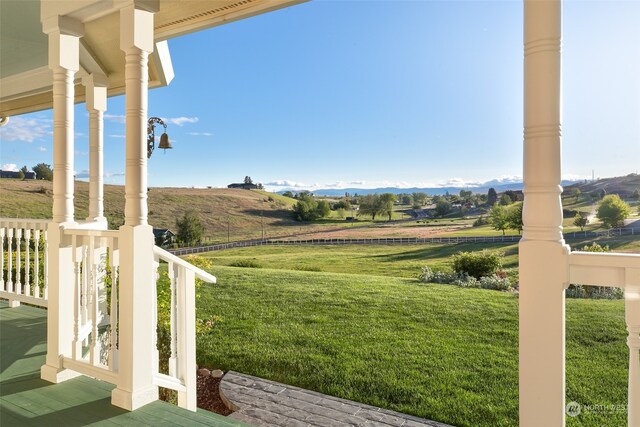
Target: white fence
623	271
182	325
95	264
23	261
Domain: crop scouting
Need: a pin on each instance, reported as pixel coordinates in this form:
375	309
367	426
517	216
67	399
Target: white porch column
137	304
96	102
543	254
64	34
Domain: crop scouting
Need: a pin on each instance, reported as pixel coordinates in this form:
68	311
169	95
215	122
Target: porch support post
96	102
137	297
64	35
542	253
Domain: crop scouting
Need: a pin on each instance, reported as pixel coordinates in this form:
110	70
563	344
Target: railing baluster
10	260
2	288
36	263
77	344
18	282
93	305
632	315
186	316
27	264
45	292
173	276
113	316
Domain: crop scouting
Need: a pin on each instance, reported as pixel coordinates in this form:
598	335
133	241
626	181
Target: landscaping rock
204	372
217	373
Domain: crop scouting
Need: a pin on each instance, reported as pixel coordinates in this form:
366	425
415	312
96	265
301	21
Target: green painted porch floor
26	400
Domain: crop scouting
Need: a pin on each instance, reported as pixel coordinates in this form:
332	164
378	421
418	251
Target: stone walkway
266	403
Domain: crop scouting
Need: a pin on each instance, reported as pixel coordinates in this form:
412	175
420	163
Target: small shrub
477	264
246	263
594	292
466	281
495	282
480	221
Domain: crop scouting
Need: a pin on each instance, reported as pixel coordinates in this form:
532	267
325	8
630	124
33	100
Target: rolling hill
237	214
621	185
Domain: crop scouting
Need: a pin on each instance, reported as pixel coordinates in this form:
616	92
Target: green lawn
435	351
382	260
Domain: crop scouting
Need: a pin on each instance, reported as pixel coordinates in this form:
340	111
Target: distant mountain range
498	185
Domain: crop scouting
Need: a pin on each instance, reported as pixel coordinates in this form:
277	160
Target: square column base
55	374
132	400
13	303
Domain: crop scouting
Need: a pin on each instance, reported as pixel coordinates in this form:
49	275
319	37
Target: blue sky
373	93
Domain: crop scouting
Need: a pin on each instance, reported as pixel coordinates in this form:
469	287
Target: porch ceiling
25	80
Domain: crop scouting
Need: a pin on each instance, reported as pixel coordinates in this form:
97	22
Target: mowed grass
383	260
435	351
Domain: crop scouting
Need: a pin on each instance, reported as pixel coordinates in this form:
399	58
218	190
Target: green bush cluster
594	292
493	281
477	264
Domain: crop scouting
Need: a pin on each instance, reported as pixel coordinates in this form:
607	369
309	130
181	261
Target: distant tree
466	195
288	194
580	220
514	214
492	196
419	199
386	204
505	200
248	180
260	186
189	228
309	209
21	174
499	218
342	204
443	207
636	194
43	171
340	212
612	211
370	205
512	195
323	208
405	199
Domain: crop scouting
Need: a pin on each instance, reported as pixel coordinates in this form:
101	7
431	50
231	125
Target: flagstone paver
266	403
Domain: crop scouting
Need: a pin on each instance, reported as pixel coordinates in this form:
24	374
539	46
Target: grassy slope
390	260
241	208
435	351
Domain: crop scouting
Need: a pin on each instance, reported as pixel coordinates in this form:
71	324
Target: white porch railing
623	271
23	261
95	259
182	322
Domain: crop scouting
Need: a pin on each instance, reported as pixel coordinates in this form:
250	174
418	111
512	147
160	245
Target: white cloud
118	118
9	167
113	174
41	148
117	136
84	174
200	133
26	129
180	121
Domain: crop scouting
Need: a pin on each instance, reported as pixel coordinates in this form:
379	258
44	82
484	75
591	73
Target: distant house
164	237
243	186
16	174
